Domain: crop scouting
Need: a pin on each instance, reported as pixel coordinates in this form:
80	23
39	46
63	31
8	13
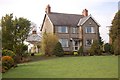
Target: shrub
48	43
58	50
7	62
116	46
95	48
21	49
107	48
6	52
91	52
75	53
24	48
68	53
25	54
80	51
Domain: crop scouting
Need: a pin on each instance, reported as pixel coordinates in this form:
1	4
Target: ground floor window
89	42
64	42
75	45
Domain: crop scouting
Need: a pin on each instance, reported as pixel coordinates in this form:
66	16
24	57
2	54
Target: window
64	42
75	45
74	29
89	29
63	29
89	42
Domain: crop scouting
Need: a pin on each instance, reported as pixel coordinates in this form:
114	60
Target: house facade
73	30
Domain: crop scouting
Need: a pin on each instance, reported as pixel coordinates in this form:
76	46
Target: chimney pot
48	9
85	12
34	32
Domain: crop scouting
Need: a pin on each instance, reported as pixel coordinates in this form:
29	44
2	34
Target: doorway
76	45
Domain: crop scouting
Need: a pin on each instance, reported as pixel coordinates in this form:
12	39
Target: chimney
34	32
85	12
48	9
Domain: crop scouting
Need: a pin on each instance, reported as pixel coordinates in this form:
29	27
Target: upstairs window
63	29
90	30
74	29
64	42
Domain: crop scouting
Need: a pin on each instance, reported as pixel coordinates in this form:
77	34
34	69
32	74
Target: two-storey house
73	30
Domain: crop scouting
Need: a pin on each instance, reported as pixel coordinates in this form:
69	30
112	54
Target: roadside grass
68	67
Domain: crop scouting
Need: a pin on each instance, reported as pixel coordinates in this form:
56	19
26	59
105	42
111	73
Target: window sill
63	33
75	33
90	33
65	47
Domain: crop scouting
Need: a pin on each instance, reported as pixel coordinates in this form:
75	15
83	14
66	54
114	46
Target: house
34	42
73	30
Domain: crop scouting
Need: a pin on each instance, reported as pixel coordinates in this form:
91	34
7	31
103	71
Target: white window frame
64	42
74	30
90	29
75	45
60	29
87	43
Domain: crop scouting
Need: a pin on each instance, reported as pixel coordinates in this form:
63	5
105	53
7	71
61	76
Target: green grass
68	67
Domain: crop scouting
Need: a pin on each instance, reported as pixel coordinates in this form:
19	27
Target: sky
103	11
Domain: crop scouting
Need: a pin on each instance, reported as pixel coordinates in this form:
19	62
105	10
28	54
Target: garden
67	67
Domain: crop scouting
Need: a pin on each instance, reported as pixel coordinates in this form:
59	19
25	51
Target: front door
75	45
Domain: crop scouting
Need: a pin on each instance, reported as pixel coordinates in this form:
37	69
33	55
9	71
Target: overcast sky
102	10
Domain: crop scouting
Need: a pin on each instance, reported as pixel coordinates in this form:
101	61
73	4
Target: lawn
68	67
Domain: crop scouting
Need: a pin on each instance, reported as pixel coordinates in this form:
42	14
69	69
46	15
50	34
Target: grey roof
64	19
33	38
82	20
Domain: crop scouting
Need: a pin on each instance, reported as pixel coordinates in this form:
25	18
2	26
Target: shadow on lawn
41	57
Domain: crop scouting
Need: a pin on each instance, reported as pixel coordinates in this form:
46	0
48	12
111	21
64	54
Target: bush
80	51
91	52
116	46
76	53
6	52
48	43
95	48
58	50
24	48
107	48
68	53
21	49
7	62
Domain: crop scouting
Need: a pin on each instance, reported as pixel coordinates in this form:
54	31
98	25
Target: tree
7	32
107	48
116	46
0	40
58	50
48	43
100	40
115	28
95	48
22	30
15	31
115	33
